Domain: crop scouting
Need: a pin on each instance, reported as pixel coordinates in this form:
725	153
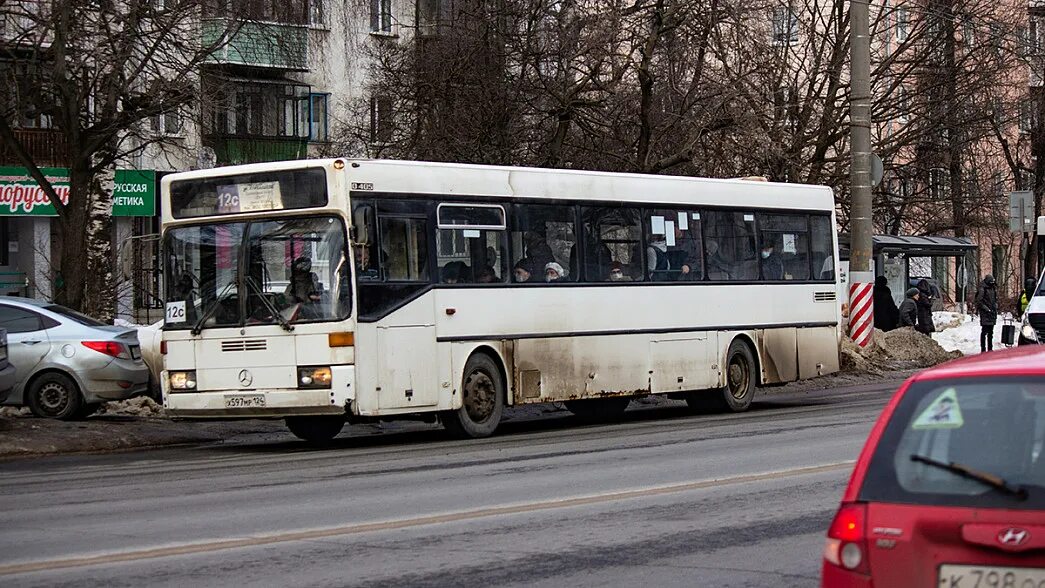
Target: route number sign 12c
175	312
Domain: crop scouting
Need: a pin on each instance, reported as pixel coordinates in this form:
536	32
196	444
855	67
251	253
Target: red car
949	490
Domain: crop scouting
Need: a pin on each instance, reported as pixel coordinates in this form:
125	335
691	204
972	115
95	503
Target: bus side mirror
362	220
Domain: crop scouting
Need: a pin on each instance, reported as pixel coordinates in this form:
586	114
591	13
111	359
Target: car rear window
990	425
74	316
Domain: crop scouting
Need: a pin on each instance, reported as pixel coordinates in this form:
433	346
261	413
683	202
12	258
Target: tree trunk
99	287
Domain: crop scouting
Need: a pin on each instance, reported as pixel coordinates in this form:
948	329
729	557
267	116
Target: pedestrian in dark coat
909	309
886	314
987	306
925	308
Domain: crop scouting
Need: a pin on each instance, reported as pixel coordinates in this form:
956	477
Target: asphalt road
662	498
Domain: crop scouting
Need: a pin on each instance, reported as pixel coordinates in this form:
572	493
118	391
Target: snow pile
955	332
141	406
15	411
896	350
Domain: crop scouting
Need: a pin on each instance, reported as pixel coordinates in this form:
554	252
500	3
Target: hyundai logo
245	378
1013	536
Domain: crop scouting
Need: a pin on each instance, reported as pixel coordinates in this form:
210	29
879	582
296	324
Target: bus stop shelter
893	255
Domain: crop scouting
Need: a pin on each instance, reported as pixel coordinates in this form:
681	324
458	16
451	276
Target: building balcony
233	150
47	147
258	44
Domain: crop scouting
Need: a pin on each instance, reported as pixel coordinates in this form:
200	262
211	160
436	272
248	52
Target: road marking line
323	533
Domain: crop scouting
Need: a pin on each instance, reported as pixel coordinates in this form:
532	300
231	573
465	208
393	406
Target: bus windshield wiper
213	306
251	284
965	471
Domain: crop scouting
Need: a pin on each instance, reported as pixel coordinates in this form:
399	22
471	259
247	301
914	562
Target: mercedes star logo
1013	536
245	378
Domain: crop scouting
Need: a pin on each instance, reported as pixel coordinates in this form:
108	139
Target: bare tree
97	71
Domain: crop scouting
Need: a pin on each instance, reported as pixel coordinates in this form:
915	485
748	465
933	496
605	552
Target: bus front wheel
739	390
482	400
316	429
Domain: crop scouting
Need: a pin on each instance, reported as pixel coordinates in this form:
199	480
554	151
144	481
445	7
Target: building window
317	13
902	24
166	124
256	109
318	130
785	25
939	183
903	104
380	119
1028	115
381	16
786	102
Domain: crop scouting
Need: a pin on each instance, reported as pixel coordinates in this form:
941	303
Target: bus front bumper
264	402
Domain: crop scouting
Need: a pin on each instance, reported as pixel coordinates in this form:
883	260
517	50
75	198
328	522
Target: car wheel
316	429
739	390
482	397
55	396
598	409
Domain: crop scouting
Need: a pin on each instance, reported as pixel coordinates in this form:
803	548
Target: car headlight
1028	332
182	380
314	377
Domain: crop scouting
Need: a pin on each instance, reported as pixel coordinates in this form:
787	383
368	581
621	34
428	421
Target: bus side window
730	246
404	249
543	234
613	238
673	246
822	245
785	237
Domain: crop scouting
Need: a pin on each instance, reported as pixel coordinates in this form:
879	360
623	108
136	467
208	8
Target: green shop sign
20	195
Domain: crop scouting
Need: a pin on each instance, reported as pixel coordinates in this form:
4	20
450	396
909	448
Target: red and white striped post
861	307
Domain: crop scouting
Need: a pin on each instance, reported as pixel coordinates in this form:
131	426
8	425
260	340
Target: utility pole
861	272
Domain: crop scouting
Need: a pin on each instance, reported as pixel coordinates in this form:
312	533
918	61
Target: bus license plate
245	401
990	576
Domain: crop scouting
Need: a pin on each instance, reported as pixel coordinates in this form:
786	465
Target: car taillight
111	348
847	539
163	348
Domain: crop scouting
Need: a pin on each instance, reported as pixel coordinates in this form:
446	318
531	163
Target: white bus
345	290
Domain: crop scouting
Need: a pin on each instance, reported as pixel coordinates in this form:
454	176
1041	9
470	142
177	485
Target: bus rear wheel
598	409
316	429
739	390
482	400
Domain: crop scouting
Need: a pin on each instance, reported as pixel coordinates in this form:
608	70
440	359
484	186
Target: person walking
1028	293
908	311
886	314
925	308
987	305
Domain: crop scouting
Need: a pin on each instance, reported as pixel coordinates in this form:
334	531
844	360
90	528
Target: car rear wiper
269	306
965	471
213	306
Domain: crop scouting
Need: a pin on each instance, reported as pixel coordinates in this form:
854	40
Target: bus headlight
314	377
182	380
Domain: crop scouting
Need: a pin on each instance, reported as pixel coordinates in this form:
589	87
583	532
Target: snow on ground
959	332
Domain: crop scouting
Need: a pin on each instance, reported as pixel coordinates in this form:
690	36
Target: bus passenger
718	267
487	275
617	272
553	272
304	285
523	270
657	259
772	265
686	256
449	274
538	250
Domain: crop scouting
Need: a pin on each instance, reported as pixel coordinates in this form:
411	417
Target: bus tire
739	390
482	400
316	429
596	410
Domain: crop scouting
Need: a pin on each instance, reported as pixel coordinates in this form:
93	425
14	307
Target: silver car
68	363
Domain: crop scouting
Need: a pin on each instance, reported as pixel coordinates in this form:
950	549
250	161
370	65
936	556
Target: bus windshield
273	271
